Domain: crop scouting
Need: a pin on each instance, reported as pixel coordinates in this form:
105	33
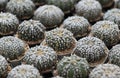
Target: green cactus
49	15
65	5
8	23
42	57
113	15
73	67
114	55
24	71
105	71
78	25
12	48
61	40
23	9
106	31
4	67
31	31
93	49
90	9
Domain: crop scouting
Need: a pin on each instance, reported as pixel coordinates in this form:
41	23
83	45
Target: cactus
61	40
79	26
114	55
90	9
42	57
49	15
4	67
106	31
31	31
24	71
105	71
106	3
113	15
23	9
8	23
12	48
73	67
93	49
65	5
3	4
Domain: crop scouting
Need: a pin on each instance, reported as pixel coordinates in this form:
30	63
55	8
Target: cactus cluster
93	49
49	15
31	31
113	15
24	71
12	48
23	9
90	9
8	23
61	40
73	67
107	31
105	71
42	57
78	25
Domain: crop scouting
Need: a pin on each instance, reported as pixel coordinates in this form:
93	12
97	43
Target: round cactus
90	9
42	57
106	31
49	15
105	71
57	77
73	67
93	49
114	55
31	31
4	67
12	48
65	5
3	4
61	40
79	26
23	9
113	15
24	71
106	3
39	2
8	23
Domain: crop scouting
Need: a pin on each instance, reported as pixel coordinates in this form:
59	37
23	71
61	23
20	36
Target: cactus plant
65	5
31	31
3	4
113	15
78	25
42	57
105	71
90	9
4	67
49	15
61	40
8	23
106	31
93	49
106	3
73	67
114	55
23	9
12	48
24	71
